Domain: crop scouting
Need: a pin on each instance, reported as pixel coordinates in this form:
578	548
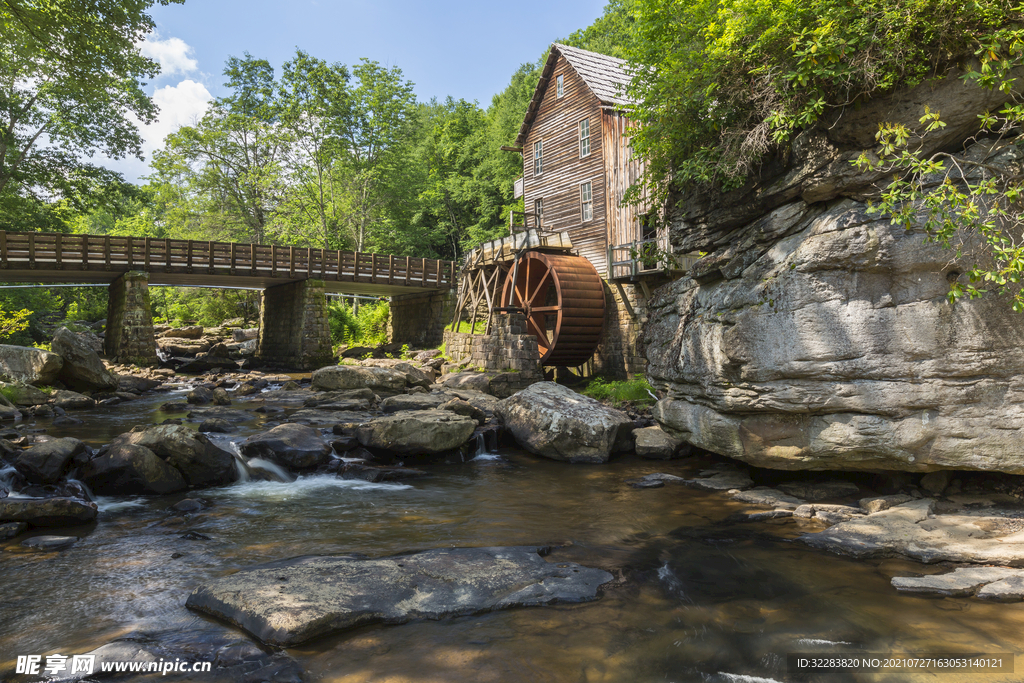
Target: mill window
559	86
538	211
538	157
586	201
584	138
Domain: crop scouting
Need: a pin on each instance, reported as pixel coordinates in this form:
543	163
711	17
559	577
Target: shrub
636	391
367	327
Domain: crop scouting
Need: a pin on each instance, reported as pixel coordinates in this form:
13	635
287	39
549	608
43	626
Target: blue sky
446	47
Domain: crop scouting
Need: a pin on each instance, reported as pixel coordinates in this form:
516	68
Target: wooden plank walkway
53	257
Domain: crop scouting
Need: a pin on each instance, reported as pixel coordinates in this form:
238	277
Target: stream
698	597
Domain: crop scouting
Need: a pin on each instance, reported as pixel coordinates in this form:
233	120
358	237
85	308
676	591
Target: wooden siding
621	172
557	125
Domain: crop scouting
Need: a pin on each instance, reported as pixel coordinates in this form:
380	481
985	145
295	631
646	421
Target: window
538	157
584	138
586	201
559	86
538	211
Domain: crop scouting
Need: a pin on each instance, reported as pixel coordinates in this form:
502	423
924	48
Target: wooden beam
511	148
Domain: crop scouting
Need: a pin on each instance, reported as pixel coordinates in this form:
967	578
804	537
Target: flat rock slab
911	530
768	497
293	601
722	481
962	581
50	542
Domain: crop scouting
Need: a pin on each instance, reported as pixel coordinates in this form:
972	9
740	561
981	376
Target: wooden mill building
582	262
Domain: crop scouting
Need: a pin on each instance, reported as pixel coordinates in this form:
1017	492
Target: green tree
315	103
69	88
223	177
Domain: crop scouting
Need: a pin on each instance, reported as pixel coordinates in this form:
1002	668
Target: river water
698	597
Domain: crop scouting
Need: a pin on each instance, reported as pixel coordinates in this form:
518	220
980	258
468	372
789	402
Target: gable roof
605	76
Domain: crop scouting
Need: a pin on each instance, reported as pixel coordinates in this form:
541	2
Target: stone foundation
419	319
620	354
129	336
294	330
507	348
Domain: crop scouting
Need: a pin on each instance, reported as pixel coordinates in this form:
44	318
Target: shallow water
697	598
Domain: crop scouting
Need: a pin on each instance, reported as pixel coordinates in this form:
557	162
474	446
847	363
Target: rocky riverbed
198	492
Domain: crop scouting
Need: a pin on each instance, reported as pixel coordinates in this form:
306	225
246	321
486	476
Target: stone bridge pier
129	337
294	330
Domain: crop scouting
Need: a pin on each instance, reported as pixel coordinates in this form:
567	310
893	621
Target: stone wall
619	353
294	330
129	335
508	347
419	319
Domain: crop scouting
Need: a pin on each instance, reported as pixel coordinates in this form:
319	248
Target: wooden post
3	248
188	262
31	250
130	263
291	262
57	249
106	251
234	257
337	275
167	255
373	268
211	256
148	245
406	271
273	261
85	253
252	258
391	268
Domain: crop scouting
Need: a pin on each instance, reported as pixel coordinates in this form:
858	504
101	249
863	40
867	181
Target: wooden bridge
53	257
294	328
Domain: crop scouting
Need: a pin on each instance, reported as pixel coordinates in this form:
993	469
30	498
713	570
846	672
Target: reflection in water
698	598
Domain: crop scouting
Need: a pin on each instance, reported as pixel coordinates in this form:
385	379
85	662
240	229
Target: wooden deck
51	257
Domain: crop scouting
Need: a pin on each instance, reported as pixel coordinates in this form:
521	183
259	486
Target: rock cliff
815	335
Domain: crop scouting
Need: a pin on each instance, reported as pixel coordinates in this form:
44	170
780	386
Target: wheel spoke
545	309
541	334
539	286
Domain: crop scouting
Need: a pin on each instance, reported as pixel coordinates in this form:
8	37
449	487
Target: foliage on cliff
720	83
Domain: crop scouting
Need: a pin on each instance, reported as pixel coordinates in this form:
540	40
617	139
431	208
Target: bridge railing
54	251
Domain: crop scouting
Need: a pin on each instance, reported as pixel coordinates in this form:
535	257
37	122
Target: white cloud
172	54
180	105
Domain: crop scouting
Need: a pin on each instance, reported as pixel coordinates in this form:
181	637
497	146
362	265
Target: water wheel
563	299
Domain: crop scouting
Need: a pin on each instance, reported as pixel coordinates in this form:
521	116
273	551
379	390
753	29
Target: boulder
191	332
960	582
199	396
221	397
47	512
200	461
26	395
135	385
216	425
656	444
294	446
291	602
28	365
9	530
335	377
82	370
129	469
460	407
46	463
414	376
414	432
553	421
245	335
393	404
71	400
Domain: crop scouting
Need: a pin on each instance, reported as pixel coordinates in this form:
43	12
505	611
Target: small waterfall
275	471
7	479
241	467
164	357
481	444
